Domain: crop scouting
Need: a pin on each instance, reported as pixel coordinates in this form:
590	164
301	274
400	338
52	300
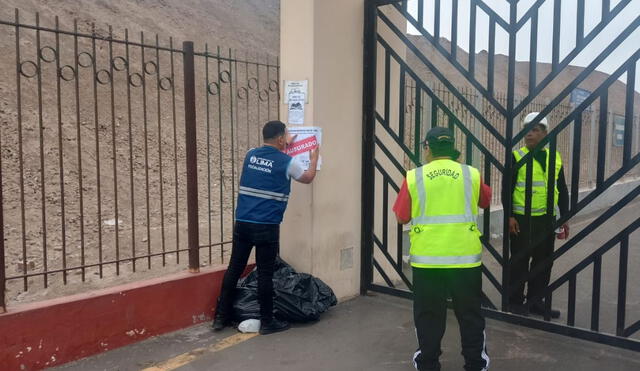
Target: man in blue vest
532	239
262	200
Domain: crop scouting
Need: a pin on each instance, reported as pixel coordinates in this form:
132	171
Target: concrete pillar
321	41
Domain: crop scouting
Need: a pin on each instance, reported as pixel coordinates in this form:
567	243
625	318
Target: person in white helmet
532	244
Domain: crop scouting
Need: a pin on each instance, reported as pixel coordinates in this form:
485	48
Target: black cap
441	142
439	135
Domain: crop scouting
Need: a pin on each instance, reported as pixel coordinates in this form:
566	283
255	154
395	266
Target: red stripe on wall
44	334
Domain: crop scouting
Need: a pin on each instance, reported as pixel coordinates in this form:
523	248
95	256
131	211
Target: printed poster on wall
295	87
307	138
296	108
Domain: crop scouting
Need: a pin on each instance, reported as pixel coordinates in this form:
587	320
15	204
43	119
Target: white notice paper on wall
293	87
296	108
307	139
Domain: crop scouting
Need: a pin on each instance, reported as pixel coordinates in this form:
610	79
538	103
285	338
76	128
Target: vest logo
261	161
443	172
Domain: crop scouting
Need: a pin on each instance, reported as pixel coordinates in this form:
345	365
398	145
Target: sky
593	14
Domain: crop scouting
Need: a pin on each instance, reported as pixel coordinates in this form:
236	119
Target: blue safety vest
264	186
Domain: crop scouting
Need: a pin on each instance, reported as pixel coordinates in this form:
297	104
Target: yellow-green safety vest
444	210
539	185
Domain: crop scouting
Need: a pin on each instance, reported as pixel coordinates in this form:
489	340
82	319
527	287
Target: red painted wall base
52	332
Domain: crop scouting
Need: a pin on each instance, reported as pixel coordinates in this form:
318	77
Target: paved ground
366	333
608	303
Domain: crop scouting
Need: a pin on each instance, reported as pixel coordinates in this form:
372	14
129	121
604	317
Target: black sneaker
539	310
273	326
519	309
220	321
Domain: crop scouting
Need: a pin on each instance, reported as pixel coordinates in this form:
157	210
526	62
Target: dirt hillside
121	144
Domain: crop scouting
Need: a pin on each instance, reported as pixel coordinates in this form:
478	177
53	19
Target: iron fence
567	141
120	153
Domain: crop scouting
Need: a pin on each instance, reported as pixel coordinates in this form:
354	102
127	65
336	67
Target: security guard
262	200
532	244
441	201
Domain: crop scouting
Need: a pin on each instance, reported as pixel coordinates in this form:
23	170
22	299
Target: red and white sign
301	146
307	138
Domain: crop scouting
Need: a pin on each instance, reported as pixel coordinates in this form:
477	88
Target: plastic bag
245	305
249	325
298	297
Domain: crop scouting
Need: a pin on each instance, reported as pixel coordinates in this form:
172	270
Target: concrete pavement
366	333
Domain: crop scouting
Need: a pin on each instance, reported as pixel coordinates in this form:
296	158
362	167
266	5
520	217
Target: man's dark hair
442	149
273	129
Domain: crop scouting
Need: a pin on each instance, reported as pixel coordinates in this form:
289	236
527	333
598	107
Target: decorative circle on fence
150	71
24	69
225	76
243	93
103	77
67	76
409	108
166	83
119	63
48	54
253	83
85	59
273	86
264	95
135	79
213	88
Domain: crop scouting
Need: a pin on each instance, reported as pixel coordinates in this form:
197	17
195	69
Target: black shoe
519	309
539	310
273	326
220	321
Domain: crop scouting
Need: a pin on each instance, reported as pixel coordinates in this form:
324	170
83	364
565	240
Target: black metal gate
436	76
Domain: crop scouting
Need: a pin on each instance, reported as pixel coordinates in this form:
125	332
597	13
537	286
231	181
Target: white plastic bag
249	325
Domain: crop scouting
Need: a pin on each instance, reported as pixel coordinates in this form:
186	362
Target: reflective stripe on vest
263	194
467	217
446	260
533	184
422	198
538	184
468	191
443	219
521	208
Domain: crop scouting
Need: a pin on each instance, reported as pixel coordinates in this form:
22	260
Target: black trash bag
298	297
246	305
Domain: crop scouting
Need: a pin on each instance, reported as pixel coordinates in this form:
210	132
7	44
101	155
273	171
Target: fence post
608	144
3	308
368	144
192	160
592	147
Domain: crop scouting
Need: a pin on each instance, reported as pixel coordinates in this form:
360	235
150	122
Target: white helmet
532	116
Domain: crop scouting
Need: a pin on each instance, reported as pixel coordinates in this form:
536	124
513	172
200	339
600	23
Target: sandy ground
94	169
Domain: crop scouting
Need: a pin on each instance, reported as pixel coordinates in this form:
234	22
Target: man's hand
565	226
514	227
314	155
308	176
289	141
